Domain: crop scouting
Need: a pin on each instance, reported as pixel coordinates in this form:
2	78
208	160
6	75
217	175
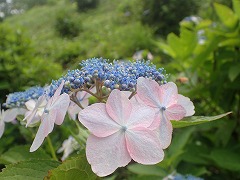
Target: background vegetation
198	43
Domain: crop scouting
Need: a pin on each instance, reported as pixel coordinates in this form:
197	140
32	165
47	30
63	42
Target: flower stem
51	148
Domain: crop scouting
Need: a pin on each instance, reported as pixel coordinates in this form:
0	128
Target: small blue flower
18	99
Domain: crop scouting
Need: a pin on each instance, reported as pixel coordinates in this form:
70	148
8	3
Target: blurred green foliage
164	15
84	5
67	25
19	67
207	53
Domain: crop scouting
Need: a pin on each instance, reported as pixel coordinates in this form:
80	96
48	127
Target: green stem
51	148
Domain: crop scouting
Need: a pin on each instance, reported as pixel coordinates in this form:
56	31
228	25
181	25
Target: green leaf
175	44
194	120
147	170
28	170
21	153
226	158
72	169
167	49
226	15
236	7
234	71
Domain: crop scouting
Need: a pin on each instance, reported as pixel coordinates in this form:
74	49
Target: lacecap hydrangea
120	75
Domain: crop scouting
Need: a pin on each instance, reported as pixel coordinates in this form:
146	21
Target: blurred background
197	42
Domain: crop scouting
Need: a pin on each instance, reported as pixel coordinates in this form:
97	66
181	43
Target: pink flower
169	105
54	113
119	133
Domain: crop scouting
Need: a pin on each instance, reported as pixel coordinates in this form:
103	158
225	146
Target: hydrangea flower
68	146
54	113
121	75
18	99
8	116
119	133
168	104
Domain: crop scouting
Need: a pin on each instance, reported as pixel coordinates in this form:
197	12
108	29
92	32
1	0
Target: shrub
67	25
84	5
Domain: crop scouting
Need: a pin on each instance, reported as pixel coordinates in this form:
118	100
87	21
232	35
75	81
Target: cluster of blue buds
121	75
18	99
186	177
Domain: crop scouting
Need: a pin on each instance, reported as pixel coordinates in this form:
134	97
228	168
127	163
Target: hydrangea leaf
21	153
73	169
195	120
35	169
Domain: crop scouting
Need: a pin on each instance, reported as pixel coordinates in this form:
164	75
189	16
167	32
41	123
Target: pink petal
141	116
119	107
97	120
44	129
61	105
165	132
73	110
168	94
175	112
2	127
187	104
143	146
147	91
30	116
107	154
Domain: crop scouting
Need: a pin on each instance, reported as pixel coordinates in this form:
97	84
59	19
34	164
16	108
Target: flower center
163	108
124	128
46	111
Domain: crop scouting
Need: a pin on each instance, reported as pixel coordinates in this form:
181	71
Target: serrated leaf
21	153
195	120
72	169
152	170
28	170
226	15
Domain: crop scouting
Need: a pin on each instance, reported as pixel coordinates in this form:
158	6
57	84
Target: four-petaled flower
168	104
54	113
120	132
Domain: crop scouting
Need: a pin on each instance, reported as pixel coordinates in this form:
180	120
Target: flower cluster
18	99
121	75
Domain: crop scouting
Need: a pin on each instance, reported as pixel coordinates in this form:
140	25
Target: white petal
107	154
30	104
2	127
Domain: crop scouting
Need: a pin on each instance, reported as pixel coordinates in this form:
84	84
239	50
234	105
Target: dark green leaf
21	153
28	170
234	71
72	169
194	120
226	158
